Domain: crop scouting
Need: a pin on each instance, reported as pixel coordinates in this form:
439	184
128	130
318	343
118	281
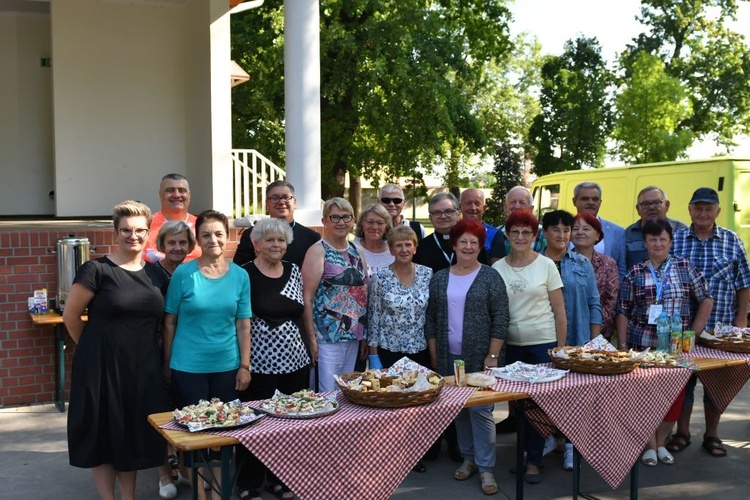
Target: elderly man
174	193
720	255
517	198
652	204
280	203
472	206
587	197
392	198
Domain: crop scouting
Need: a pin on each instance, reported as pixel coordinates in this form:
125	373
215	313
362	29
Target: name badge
654	311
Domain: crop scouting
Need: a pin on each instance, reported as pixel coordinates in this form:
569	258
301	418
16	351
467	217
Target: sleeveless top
340	302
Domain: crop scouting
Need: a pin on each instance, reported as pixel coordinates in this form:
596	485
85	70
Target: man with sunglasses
652	204
174	193
280	203
392	198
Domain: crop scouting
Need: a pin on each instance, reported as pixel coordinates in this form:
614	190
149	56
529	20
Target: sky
613	23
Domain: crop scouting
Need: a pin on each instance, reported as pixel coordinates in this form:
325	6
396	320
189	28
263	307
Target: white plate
551	378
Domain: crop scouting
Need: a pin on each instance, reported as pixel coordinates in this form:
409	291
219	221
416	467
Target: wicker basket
389	399
591	366
721	345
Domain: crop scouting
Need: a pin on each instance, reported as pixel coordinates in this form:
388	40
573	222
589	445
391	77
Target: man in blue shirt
517	198
720	255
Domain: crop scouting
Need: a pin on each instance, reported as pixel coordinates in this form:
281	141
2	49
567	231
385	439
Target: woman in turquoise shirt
207	325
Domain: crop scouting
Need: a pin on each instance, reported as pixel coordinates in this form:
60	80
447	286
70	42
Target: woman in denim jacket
581	296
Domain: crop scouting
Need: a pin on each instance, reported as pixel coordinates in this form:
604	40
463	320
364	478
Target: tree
507	172
575	120
396	79
650	107
709	59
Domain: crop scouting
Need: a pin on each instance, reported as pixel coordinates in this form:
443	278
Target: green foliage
571	130
507	172
706	57
650	107
397	82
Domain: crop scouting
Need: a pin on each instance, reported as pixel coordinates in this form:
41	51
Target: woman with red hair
467	318
537	312
587	232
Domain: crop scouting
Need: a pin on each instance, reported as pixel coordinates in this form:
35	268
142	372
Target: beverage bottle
675	346
663	332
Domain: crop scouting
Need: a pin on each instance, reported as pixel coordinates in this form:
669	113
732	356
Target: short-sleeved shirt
531	319
205	340
723	262
151	254
683	285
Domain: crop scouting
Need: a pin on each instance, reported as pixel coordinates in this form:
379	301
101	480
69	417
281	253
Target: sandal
678	442
649	458
713	446
280	491
419	468
466	470
174	466
250	495
489	485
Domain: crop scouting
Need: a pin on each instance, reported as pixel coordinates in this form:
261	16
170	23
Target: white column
302	99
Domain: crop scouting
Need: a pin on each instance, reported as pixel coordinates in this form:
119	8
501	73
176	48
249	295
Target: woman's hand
167	371
490	362
363	351
313	352
242	381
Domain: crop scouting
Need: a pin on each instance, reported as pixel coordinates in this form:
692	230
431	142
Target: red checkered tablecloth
722	385
357	452
608	418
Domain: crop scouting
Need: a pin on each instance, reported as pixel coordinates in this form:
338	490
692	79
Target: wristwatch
493	356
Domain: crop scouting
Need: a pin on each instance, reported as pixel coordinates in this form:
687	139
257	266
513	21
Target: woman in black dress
278	356
117	359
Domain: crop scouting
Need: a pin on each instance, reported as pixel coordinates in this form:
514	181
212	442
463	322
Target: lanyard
660	283
449	259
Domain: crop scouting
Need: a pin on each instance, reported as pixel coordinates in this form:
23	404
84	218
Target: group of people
294	308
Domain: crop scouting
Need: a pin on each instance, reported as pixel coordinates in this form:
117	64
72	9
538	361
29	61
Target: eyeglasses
651	204
388	201
379	223
347	218
444	213
276	198
127	233
515	233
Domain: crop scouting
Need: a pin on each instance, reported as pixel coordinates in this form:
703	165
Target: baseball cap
704	195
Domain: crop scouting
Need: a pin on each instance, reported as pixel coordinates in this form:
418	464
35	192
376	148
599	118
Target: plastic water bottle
675	346
663	332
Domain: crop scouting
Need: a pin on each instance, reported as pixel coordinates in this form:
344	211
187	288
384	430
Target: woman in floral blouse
587	232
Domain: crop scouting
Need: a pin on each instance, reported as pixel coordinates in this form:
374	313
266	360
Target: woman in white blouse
373	225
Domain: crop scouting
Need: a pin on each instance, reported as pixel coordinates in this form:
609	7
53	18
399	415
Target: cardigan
485	316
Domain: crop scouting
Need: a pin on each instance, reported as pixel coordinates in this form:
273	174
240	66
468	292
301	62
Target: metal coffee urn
72	252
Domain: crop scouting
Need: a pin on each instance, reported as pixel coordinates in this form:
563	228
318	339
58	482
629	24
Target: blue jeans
531	354
475	428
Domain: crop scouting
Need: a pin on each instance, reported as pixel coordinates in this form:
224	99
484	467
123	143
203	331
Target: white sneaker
549	445
568	457
167	491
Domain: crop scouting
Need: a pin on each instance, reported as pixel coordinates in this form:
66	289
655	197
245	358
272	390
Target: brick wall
27	353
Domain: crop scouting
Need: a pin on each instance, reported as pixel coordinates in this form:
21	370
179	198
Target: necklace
516	269
409	276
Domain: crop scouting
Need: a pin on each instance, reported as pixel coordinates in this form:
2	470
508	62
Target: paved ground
34	465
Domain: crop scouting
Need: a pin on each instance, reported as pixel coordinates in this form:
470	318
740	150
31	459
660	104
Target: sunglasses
395	201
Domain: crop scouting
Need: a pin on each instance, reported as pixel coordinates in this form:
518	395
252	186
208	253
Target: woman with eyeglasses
116	367
334	281
207	322
537	313
370	237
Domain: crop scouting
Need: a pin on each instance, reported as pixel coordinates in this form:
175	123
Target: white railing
252	173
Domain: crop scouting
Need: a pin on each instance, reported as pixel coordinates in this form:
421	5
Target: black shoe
434	452
506	426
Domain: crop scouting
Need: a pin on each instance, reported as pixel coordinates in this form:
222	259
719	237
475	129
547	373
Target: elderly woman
537	313
175	240
116	361
587	232
207	325
335	296
660	284
467	318
370	237
278	356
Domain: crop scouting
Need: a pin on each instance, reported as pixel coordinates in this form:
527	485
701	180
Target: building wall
26	144
27	353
